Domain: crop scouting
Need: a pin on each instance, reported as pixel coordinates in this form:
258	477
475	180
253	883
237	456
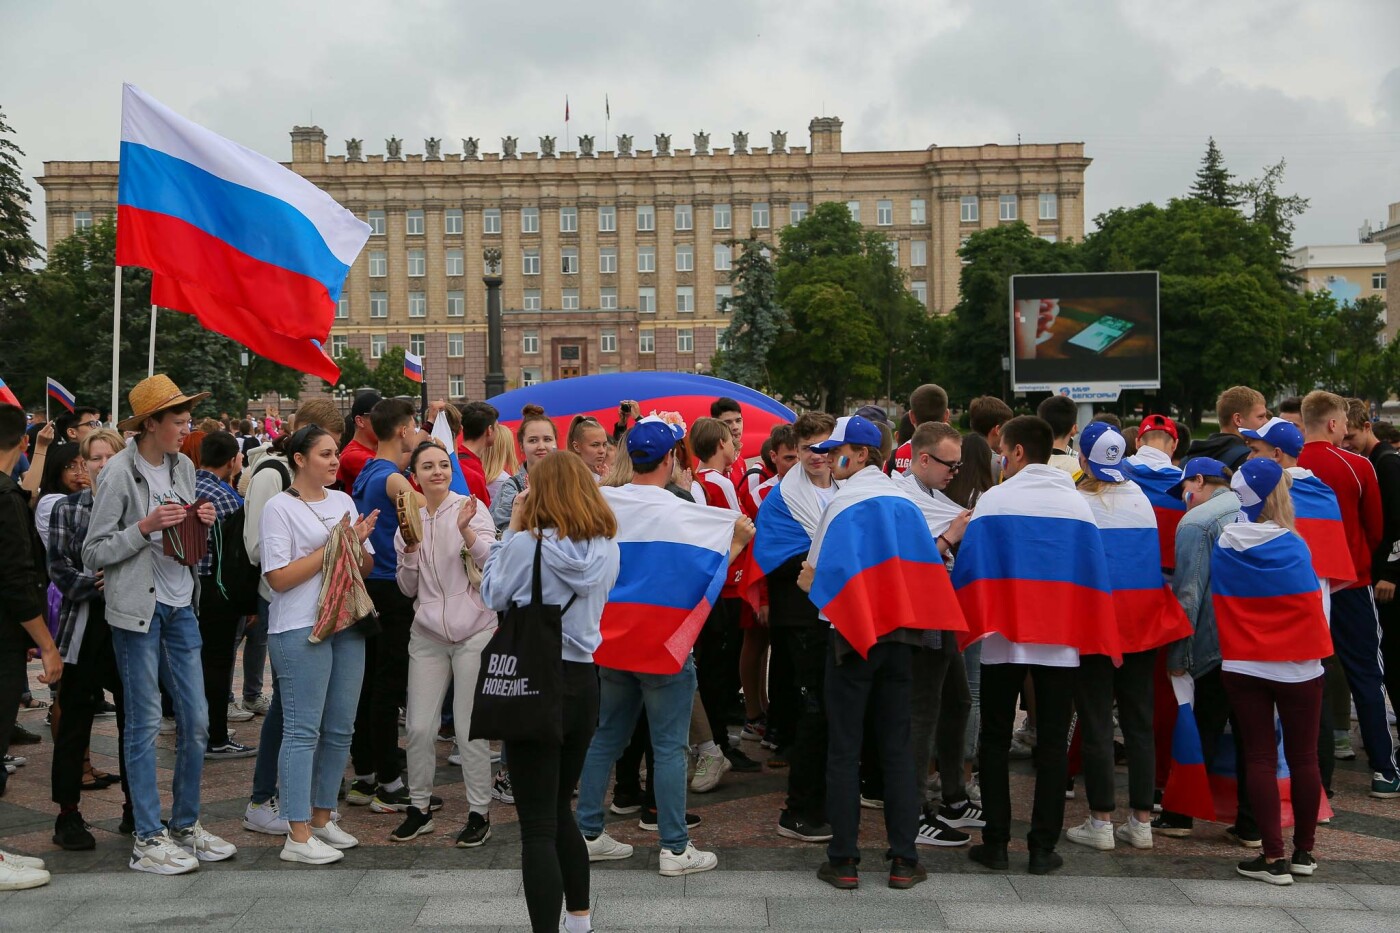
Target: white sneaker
265	818
202	844
167	725
17	877
689	862
455	758
237	713
159	855
1086	834
28	861
974	791
1138	835
607	849
708	770
312	852
258	705
335	837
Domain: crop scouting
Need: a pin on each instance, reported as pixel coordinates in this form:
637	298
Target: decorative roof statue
585	147
394	145
741	143
624	145
779	141
508	146
546	147
353	149
470	146
702	143
663	144
432	146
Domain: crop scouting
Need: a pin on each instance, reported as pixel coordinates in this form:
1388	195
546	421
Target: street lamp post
495	373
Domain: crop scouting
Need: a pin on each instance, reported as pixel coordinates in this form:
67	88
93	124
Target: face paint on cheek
843	462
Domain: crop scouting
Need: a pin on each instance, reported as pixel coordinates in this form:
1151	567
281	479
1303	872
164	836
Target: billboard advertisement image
1085	334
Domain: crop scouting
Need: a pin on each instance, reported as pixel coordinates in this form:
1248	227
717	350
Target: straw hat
153	395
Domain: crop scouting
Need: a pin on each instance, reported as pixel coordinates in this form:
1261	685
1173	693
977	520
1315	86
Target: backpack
234	572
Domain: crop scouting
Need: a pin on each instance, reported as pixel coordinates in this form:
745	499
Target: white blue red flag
413	367
674	559
7	397
1188	789
1318	519
61	395
939	511
442	433
1224	782
877	567
786	523
1031	567
1149	615
1267	598
1157	480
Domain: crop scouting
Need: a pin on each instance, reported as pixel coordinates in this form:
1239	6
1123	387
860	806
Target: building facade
1388	238
619	260
1349	271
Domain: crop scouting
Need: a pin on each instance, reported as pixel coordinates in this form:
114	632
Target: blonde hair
500	456
1320	406
1236	400
107	435
1278	508
621	471
564	496
320	411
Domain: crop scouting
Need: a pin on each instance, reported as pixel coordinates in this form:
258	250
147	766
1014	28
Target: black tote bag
519	692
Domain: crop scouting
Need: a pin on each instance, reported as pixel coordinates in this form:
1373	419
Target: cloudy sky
1142	83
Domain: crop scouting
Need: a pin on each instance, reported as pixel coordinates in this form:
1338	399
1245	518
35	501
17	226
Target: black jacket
1386	563
1229	449
22	562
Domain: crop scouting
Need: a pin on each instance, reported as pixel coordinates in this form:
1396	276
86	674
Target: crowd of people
871	602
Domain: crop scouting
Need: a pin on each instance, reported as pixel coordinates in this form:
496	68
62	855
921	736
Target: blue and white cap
852	429
1278	433
1253	482
1103	447
651	439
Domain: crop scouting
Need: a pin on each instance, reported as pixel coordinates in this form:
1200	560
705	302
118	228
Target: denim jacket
1195	539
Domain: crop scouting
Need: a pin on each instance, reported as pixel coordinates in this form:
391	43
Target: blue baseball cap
1198	466
852	429
1253	482
1103	447
651	439
1278	433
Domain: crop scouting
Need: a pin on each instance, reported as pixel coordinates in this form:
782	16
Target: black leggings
554	858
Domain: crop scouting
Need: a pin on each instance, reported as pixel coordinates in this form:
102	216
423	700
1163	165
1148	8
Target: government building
618	260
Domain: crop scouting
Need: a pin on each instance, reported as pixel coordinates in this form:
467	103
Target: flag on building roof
7	397
413	366
59	394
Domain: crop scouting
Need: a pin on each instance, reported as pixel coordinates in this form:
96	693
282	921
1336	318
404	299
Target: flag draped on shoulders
939	511
1148	613
1031	567
1267	598
1318	518
786	523
1157	479
877	568
674	559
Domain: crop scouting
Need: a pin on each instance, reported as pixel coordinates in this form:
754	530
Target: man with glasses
78	424
929	402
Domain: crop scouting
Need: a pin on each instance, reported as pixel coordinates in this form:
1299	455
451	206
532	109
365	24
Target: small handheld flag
413	367
442	433
7	397
61	395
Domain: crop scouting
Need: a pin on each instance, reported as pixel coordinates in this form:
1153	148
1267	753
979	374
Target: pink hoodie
447	608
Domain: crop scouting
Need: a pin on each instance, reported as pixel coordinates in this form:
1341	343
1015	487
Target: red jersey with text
717	490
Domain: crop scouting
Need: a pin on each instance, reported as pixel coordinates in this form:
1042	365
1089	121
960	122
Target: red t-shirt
737	469
903	457
751	482
716	489
352	460
474	473
1353	478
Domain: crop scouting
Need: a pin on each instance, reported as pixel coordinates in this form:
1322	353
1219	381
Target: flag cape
7	397
877	568
1224	782
674	558
209	212
1157	483
1268	601
1149	615
1032	569
61	395
413	367
1318	519
939	511
778	539
1188	789
442	433
239	325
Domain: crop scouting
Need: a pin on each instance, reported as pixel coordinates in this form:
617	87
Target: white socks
709	748
574	924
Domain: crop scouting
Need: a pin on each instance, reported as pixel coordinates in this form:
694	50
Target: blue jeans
169	652
621	696
253	637
972	661
270	739
319	689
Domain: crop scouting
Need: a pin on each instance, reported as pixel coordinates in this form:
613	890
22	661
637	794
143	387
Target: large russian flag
1318	519
780	532
1032	569
674	560
1149	615
877	567
1267	598
1157	482
211	213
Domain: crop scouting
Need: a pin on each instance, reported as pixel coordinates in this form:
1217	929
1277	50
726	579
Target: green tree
1274	211
388	375
17	247
1214	184
1358	362
755	319
354	371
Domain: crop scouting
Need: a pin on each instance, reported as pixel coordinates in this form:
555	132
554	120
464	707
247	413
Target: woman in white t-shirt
319	684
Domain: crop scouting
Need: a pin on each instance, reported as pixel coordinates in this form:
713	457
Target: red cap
1157	423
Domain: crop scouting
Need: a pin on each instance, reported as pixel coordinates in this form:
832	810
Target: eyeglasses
93	423
954	465
810	449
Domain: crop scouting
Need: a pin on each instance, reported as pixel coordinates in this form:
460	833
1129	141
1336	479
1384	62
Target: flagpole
151	357
116	341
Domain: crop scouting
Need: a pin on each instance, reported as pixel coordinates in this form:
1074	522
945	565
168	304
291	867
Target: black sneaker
934	832
360	793
989	856
398	801
1044	861
1246	839
648	820
1303	864
1261	869
626	802
965	815
71	832
229	749
500	788
905	874
1172	825
841	874
475	833
795	827
19	735
740	762
415	823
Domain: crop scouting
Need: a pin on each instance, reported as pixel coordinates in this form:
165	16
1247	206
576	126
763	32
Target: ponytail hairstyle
528	416
301	442
1278	507
418	452
580	424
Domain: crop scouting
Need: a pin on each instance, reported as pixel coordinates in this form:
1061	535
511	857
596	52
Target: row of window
529	343
1008	208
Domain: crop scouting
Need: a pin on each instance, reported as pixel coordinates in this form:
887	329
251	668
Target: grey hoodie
583	569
